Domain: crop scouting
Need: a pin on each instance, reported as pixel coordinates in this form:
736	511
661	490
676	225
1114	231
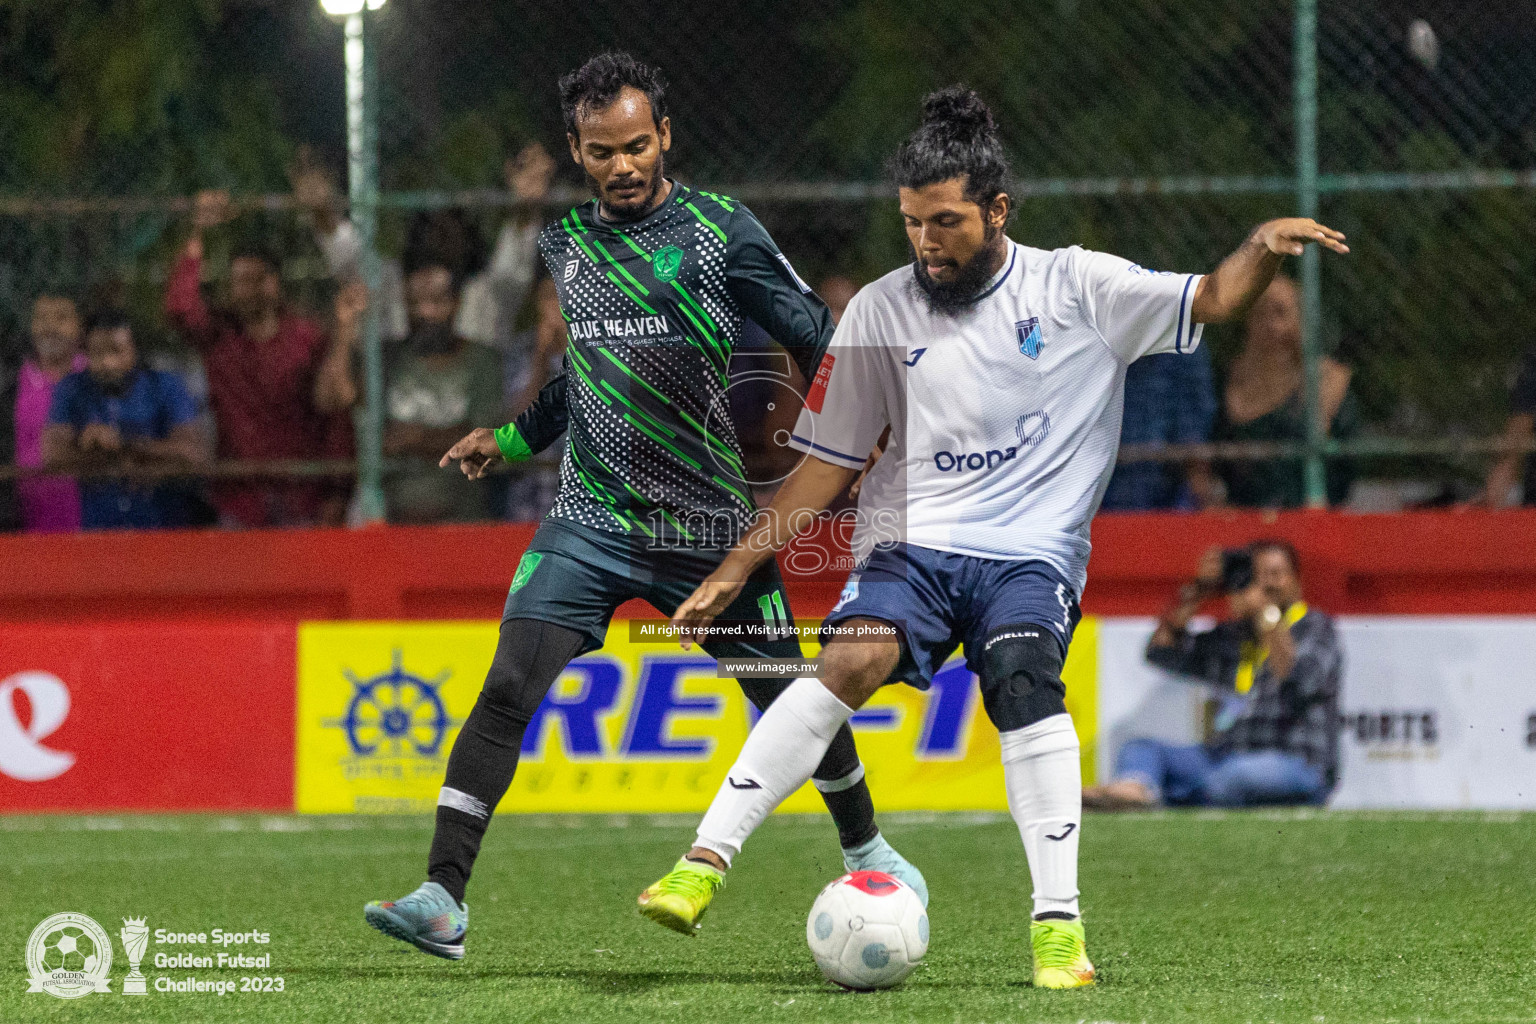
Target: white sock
780	754
1042	767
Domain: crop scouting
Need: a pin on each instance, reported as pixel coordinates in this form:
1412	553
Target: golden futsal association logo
69	956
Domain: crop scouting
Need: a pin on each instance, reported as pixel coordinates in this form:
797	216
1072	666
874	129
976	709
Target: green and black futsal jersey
655	307
653	492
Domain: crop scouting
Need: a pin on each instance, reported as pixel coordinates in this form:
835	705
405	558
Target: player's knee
1021	677
854	671
514	687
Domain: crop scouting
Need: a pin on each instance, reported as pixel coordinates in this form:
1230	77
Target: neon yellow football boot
678	900
1061	954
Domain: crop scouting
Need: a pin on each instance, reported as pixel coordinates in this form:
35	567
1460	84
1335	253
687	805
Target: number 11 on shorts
772	607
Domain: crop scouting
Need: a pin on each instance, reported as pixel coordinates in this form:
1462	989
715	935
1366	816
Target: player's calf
1025	697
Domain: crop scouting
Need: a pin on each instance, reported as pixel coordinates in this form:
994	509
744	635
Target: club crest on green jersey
666	263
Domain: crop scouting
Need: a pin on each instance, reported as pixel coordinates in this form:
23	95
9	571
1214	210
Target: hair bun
959	112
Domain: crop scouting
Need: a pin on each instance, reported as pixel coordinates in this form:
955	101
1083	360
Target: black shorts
576	577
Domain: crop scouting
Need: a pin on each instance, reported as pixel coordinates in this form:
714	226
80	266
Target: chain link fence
1158	130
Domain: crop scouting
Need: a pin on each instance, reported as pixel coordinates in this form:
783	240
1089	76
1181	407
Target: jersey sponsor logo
917	354
818	393
805	289
571	267
621	327
960	461
1032	428
1030	341
666	263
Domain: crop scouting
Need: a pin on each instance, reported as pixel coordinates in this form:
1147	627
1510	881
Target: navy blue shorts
939	600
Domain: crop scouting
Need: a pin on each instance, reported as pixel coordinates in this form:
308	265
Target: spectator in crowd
1277	664
276	379
837	290
1264	401
535	357
492	295
118	414
1514	464
45	504
437	386
1169	399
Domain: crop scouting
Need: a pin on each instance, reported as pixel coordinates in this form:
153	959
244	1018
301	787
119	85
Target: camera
1236	570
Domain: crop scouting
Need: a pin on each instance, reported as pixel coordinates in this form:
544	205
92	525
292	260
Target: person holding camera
1277	663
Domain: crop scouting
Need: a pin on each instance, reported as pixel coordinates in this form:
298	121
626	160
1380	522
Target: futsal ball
867	930
69	949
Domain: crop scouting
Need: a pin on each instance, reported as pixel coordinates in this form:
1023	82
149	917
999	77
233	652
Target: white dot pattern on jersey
599	431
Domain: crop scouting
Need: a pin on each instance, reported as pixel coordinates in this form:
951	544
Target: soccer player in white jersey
1000	370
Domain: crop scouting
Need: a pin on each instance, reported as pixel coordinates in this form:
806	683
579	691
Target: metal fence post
363	192
1304	88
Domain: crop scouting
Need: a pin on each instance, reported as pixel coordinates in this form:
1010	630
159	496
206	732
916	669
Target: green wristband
513	447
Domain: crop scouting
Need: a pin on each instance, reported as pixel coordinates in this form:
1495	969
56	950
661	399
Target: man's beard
116	387
433	339
952	296
632	209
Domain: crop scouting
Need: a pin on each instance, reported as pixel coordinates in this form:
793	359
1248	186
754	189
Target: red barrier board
1419	563
187	716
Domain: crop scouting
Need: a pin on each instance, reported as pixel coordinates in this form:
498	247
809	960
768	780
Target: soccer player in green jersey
656	280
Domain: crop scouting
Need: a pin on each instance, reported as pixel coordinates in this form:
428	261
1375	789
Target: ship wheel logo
396	714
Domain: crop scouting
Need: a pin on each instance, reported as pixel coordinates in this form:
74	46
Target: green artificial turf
1321	917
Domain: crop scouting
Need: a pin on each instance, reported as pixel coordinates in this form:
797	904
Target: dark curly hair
957	139
597	83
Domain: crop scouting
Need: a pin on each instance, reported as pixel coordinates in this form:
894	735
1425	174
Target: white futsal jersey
1005	416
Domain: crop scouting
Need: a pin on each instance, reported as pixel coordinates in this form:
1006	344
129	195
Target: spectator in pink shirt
45	504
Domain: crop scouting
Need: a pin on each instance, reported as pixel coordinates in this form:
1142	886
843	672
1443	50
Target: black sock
481	767
852	808
529	657
854	811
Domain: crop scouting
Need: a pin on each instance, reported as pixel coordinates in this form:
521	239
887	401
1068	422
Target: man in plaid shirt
1277	663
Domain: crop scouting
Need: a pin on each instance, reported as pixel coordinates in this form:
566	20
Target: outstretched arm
1227	292
532	432
807	491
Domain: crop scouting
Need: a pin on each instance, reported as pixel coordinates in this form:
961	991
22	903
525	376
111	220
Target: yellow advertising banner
634	727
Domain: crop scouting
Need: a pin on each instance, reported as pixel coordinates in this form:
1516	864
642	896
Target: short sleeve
1138	312
1522	401
179	405
486	403
845	409
64	406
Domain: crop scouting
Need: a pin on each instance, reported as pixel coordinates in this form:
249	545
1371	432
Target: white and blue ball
867	930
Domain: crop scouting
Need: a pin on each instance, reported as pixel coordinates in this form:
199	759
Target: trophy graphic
135	936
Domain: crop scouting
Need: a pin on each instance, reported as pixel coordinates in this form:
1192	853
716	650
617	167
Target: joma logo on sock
747	784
